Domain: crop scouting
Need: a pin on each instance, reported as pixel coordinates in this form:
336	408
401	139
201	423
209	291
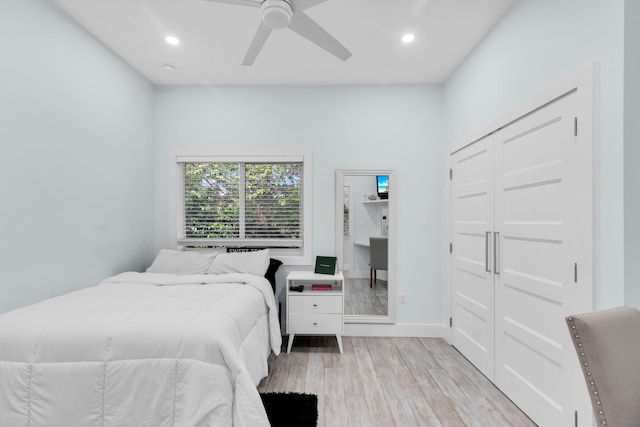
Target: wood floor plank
358	411
456	383
420	361
279	374
460	403
415	356
315	382
391	382
375	397
335	410
394	380
425	414
473	383
297	378
361	299
352	381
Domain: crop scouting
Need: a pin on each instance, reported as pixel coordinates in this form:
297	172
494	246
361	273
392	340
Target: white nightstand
315	312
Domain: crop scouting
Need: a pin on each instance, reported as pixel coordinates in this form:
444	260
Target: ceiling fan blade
305	4
310	30
258	41
250	3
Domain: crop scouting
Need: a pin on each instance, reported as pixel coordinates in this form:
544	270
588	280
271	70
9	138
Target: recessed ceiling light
408	38
172	40
168	68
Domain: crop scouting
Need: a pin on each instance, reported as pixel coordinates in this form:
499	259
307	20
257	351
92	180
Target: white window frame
287	256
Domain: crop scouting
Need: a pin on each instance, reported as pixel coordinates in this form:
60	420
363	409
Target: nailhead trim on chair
583	358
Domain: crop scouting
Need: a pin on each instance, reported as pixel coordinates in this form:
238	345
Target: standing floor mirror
366	242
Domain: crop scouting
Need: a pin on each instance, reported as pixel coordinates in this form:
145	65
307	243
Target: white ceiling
215	36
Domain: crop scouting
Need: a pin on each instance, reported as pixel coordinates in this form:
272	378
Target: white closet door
537	221
472	191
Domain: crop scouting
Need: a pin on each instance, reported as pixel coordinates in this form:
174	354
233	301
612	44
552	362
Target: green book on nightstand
325	265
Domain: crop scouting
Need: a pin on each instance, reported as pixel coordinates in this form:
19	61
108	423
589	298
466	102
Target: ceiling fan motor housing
276	14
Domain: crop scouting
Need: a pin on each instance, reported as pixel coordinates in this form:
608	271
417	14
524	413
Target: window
245	201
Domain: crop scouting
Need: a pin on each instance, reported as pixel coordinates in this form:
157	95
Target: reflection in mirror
366	280
365	203
346	206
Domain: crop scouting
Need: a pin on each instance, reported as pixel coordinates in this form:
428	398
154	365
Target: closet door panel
534	210
473	294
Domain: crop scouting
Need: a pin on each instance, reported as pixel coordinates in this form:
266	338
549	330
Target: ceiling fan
278	14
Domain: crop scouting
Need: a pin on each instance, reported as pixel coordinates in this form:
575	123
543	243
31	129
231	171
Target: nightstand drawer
315	304
315	323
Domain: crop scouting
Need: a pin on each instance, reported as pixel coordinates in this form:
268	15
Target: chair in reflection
378	256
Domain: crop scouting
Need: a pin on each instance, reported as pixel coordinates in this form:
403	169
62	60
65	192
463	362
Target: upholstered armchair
608	347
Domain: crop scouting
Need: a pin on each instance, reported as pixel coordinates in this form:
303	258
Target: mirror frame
339	218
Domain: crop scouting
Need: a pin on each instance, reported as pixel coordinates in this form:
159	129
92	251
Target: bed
161	348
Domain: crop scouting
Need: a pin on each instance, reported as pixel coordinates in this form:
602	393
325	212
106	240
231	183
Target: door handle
496	252
487	243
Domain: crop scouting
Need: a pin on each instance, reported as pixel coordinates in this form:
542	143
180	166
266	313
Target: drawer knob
315	324
315	305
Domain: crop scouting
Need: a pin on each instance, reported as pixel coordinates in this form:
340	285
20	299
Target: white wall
79	136
76	177
632	153
536	44
366	127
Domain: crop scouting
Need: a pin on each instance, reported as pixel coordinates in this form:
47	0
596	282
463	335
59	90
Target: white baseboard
396	330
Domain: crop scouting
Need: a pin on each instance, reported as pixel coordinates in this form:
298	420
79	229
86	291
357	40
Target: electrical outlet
403	298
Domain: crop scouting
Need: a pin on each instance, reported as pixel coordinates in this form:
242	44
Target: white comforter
141	349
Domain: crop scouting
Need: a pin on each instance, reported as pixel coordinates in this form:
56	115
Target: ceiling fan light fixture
276	14
408	38
172	40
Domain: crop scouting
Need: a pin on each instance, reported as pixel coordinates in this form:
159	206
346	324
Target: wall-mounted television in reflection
382	182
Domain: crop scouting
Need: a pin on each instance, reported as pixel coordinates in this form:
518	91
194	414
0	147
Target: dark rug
291	409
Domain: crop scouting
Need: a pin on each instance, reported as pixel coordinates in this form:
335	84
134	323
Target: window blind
242	204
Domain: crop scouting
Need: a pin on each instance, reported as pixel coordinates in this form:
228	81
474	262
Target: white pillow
178	262
255	263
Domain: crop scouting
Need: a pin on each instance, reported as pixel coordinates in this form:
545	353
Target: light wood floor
402	382
361	299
